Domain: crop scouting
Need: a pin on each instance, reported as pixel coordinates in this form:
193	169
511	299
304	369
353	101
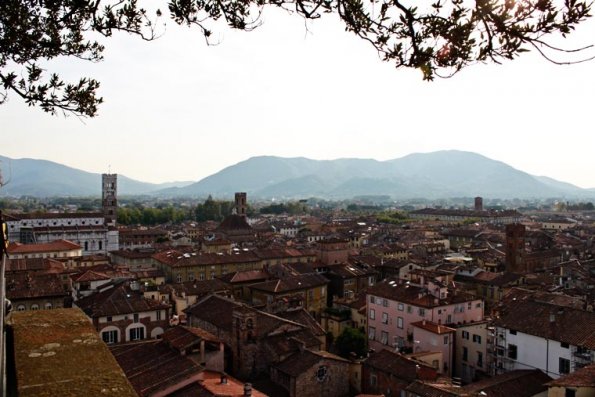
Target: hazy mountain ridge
431	175
43	178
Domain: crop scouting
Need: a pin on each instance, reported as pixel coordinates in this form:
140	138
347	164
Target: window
564	366
384	318
400	307
564	345
372	300
191	276
110	337
480	359
136	317
137	333
465	354
512	351
446	338
371	333
469	305
20	308
384	337
477	339
48	306
569	393
109	319
373	380
158	314
400	322
385	303
201	276
372	314
321	373
35	307
421	311
311	295
435	364
466	335
409	309
179	278
512	332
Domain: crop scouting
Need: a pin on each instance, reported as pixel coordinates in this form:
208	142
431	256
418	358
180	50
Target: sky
178	110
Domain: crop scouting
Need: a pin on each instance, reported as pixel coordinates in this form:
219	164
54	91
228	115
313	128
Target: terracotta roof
200	288
49	347
292	283
440	388
54	246
244	276
34	264
414	295
153	366
215	310
433	327
399	366
29	285
89	275
563	324
117	300
519	383
584	377
234	222
175	258
182	337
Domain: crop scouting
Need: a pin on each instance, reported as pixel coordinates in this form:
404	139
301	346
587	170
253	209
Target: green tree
351	340
437	36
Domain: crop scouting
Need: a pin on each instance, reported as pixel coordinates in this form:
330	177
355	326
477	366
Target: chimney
223	379
248	390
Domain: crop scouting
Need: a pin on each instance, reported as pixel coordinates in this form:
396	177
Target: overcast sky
176	109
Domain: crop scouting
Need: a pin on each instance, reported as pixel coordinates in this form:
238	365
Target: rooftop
49	347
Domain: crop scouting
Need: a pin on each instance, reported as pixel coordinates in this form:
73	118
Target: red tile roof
54	246
433	327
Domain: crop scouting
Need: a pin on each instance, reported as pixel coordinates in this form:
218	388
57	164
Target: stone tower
109	198
515	248
478	204
241	205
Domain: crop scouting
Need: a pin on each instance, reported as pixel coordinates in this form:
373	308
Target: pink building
393	306
435	338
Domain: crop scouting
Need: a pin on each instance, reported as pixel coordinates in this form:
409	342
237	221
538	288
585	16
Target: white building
529	334
96	233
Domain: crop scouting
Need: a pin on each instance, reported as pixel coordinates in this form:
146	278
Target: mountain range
439	174
43	178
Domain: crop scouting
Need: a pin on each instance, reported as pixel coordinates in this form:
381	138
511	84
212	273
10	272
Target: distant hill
439	174
42	178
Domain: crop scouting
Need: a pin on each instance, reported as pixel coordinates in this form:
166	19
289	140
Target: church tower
241	205
109	198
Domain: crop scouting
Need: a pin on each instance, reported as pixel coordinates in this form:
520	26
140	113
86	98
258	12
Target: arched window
21	308
35	307
48	306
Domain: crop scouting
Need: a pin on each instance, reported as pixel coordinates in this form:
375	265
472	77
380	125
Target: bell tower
241	204
109	198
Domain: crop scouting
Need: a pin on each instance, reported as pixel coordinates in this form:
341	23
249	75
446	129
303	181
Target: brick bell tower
241	204
109	198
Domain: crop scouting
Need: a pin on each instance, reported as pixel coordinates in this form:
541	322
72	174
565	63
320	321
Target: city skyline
176	109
